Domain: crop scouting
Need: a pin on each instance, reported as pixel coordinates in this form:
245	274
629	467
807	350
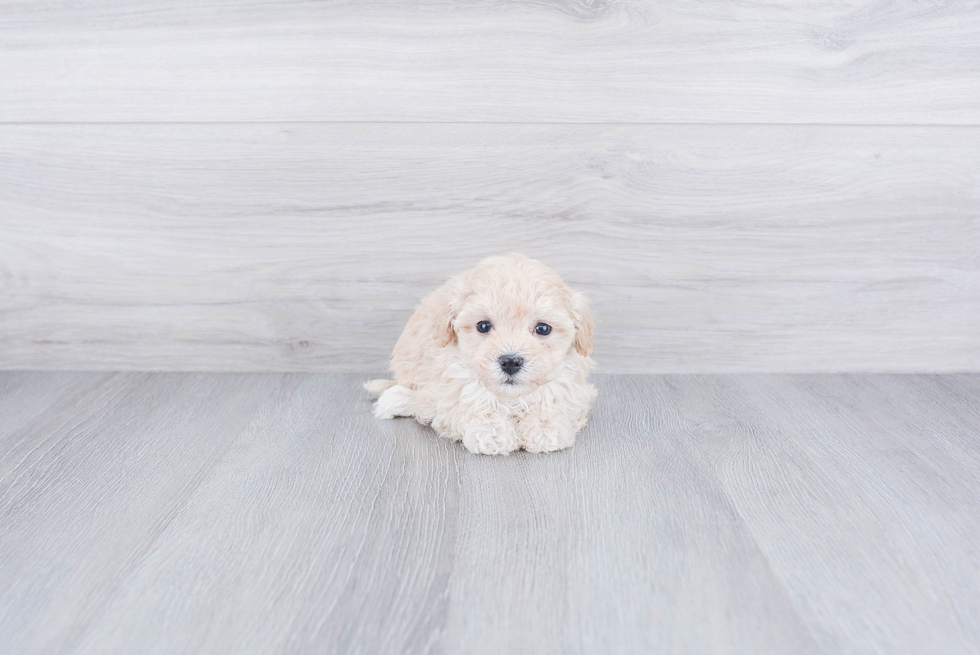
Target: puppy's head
515	322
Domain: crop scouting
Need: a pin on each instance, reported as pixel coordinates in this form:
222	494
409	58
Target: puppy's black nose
511	364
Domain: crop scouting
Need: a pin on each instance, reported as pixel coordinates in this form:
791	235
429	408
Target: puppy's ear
584	324
445	331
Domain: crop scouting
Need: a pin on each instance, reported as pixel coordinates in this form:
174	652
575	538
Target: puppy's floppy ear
445	330
584	324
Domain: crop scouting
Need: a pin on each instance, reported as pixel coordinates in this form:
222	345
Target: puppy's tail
378	387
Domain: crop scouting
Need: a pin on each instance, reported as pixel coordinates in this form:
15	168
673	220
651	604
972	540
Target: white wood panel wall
840	61
273	186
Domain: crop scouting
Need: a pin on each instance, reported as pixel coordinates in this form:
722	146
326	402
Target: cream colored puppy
498	358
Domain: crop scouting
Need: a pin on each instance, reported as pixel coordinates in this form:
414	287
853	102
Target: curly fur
447	373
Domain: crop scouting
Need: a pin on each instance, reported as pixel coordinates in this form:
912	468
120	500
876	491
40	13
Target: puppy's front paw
539	437
490	437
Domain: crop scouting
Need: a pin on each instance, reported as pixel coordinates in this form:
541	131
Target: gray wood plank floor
251	513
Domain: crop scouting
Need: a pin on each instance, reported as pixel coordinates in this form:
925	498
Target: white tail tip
378	387
396	401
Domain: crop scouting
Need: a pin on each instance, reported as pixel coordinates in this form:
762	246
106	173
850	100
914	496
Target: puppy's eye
483	326
543	329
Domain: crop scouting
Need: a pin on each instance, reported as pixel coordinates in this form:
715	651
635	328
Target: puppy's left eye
543	329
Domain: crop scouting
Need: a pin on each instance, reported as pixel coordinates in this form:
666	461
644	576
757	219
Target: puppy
497	358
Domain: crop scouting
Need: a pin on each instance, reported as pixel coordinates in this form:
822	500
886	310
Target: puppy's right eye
483	326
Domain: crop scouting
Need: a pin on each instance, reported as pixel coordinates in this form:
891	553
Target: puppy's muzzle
511	364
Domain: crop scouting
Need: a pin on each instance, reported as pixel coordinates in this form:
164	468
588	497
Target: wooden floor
251	513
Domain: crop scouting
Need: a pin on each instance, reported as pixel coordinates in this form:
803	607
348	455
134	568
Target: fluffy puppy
496	357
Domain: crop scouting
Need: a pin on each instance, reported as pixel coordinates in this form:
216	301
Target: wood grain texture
306	247
88	486
214	513
789	450
341	533
459	60
603	547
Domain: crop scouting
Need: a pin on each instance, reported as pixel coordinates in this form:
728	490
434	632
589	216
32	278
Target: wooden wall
754	186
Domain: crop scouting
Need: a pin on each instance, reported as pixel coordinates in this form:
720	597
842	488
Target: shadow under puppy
497	357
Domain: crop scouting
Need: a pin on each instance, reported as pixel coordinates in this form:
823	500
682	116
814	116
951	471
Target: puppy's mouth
513	384
512	375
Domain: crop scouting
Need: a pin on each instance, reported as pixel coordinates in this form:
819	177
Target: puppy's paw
539	437
394	401
490	437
